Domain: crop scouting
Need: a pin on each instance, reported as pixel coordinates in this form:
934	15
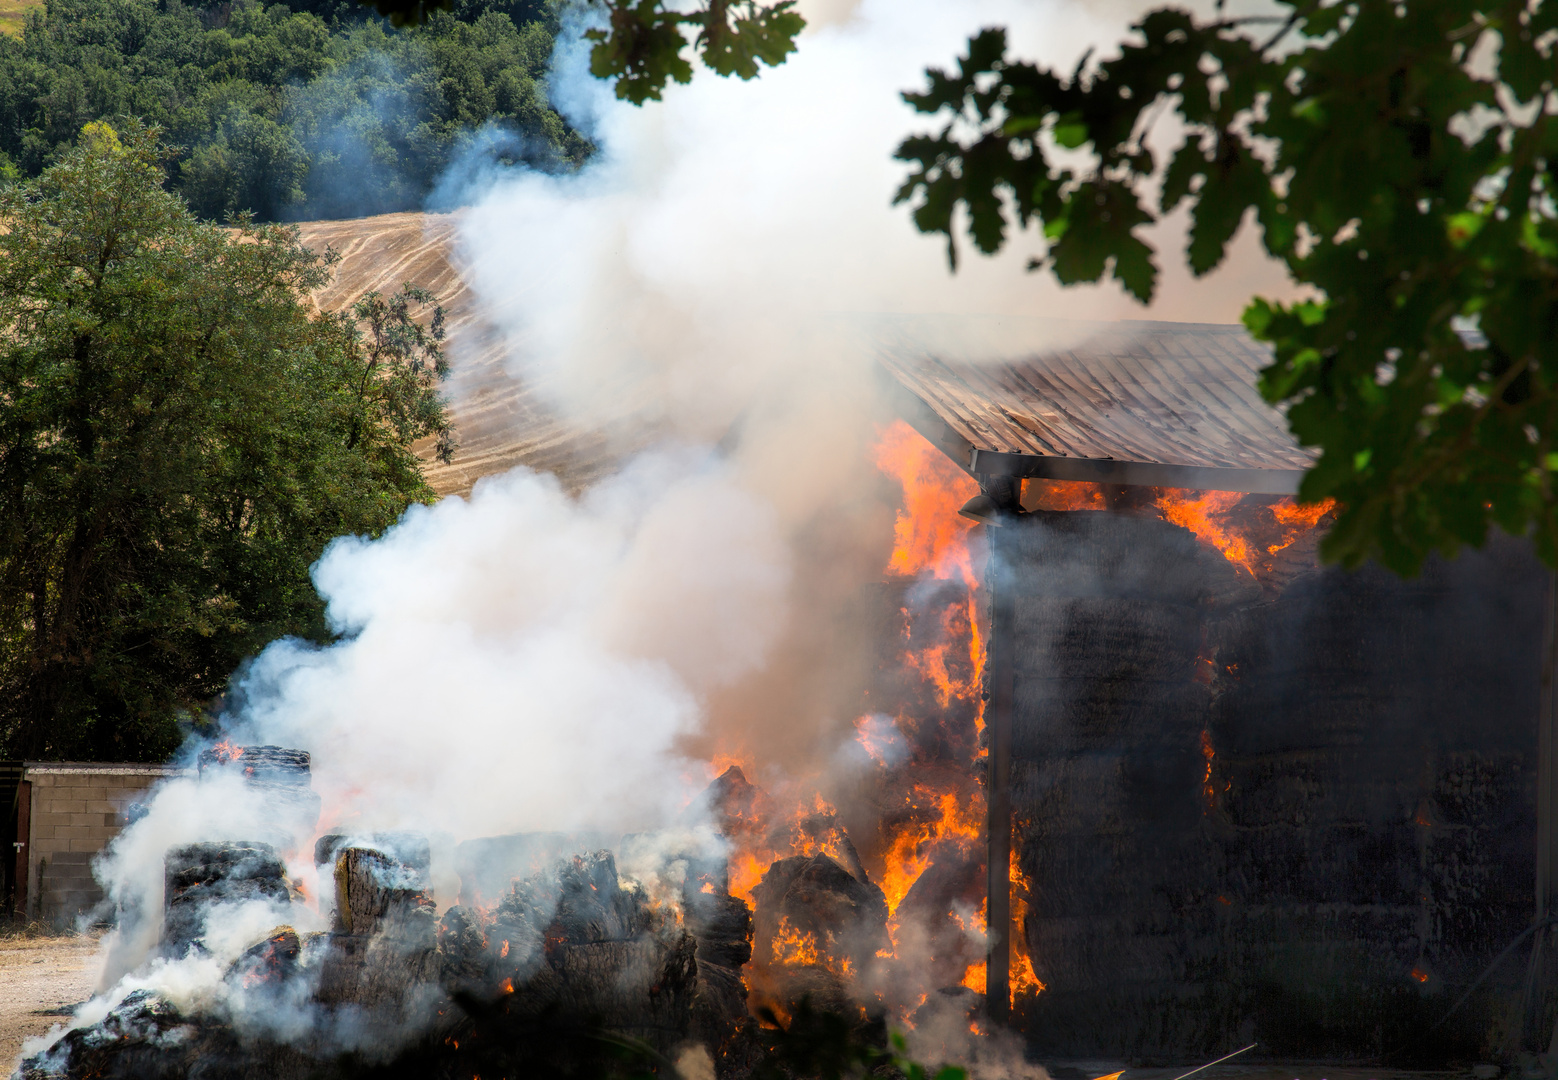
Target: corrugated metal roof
1170	404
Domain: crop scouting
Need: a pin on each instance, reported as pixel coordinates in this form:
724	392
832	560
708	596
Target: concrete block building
62	815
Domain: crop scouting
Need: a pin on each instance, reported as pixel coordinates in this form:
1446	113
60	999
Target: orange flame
1208	791
1205	515
928	534
745	872
907	857
1023	980
226	751
923	743
974	977
1241	531
792	946
1248	530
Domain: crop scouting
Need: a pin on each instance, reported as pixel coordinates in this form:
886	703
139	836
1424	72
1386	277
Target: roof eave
1141	473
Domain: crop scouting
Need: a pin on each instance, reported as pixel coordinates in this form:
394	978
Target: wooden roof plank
1154	394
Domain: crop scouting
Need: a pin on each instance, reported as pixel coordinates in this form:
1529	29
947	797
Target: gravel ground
40	978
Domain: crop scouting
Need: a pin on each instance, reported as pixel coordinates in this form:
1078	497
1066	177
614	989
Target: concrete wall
76	808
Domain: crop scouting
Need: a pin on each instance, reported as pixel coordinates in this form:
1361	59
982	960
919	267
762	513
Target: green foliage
402	364
1397	157
644	45
286	113
179	438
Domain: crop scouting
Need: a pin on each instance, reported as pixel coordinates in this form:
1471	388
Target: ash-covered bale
270	962
373	887
260	764
489	865
279	777
383	953
721	925
578	947
146	1037
201	877
409	848
582	945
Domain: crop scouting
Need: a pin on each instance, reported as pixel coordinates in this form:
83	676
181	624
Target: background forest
314	109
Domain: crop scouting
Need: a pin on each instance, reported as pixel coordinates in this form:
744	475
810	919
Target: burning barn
1243	798
1131	775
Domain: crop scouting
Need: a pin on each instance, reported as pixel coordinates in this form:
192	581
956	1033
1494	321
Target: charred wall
1302	815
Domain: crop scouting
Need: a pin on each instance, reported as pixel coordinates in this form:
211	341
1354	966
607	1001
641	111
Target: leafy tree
180	436
1397	157
401	362
644	44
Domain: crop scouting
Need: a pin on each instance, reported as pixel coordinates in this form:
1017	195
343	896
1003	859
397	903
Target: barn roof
1157	403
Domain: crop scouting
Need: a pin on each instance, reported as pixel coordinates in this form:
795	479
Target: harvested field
499	422
40	979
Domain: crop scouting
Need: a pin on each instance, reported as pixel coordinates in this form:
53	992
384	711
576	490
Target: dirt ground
40	979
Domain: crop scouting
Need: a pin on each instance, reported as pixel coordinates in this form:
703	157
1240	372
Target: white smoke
528	660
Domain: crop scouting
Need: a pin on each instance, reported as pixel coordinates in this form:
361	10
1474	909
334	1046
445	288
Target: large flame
929	536
1249	530
921	735
920	739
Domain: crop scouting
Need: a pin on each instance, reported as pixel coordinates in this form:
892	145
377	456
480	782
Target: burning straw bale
576	943
382	952
280	775
568	961
201	878
817	925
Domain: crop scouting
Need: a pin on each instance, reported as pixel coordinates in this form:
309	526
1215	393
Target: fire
907	857
226	751
505	950
1299	517
1420	975
745	872
1208	791
919	731
928	534
1249	530
1067	495
1022	978
792	946
1205	514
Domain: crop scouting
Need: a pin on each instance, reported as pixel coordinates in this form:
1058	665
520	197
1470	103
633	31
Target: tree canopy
1396	157
646	43
180	436
311	110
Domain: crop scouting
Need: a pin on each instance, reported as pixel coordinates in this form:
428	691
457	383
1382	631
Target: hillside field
12	13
